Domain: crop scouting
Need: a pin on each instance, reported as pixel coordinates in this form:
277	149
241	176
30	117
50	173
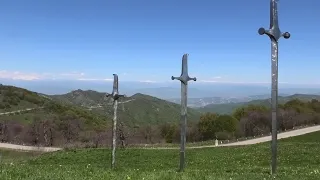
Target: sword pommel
173	78
286	35
261	31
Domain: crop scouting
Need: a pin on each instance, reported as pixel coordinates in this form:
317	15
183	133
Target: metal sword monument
115	96
184	78
274	34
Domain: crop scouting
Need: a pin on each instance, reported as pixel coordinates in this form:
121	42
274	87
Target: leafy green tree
167	132
243	111
226	123
206	126
298	105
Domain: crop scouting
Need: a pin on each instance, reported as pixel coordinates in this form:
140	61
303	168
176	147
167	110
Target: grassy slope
14	98
230	107
9	156
51	109
81	98
143	109
298	159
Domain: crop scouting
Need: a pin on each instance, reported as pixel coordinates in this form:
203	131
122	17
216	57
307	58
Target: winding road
282	135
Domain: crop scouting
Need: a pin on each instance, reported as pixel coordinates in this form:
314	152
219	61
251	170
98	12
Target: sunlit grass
298	159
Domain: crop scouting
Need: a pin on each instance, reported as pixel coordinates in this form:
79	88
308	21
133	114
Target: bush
226	123
168	132
224	135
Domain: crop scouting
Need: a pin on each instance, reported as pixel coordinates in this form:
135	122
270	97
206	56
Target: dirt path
283	135
18	111
28	148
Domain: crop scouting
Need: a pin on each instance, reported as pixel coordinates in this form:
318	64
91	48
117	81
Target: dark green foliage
168	132
243	111
211	124
207	126
226	123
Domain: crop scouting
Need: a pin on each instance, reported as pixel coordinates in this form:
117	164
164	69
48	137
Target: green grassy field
298	158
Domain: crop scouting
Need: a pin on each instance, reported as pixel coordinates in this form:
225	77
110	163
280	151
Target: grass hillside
298	158
39	120
81	98
228	108
138	109
14	98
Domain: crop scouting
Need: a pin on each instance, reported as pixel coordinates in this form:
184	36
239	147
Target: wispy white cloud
217	77
94	79
238	82
72	74
148	81
30	76
16	75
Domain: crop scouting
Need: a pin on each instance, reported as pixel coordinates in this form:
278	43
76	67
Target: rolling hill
13	98
135	110
28	105
228	108
81	98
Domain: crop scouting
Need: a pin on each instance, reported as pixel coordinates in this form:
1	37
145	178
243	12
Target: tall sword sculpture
274	34
184	78
115	96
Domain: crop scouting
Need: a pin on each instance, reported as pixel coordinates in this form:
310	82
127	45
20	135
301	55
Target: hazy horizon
170	89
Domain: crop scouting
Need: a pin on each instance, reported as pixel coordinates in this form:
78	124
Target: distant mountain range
166	90
202	102
135	110
138	109
228	108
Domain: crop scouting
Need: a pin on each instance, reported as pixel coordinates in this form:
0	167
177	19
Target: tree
49	132
167	132
244	111
123	134
35	130
147	132
226	123
206	126
255	123
4	131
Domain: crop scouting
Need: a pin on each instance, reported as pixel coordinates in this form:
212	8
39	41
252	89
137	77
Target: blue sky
144	40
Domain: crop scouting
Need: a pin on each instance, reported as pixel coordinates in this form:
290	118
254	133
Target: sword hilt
263	31
184	77
194	79
115	96
274	31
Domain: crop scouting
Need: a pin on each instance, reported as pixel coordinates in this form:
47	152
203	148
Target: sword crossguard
274	31
184	77
115	93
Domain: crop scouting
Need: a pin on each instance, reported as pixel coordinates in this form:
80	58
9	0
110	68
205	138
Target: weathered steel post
115	96
184	78
274	34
